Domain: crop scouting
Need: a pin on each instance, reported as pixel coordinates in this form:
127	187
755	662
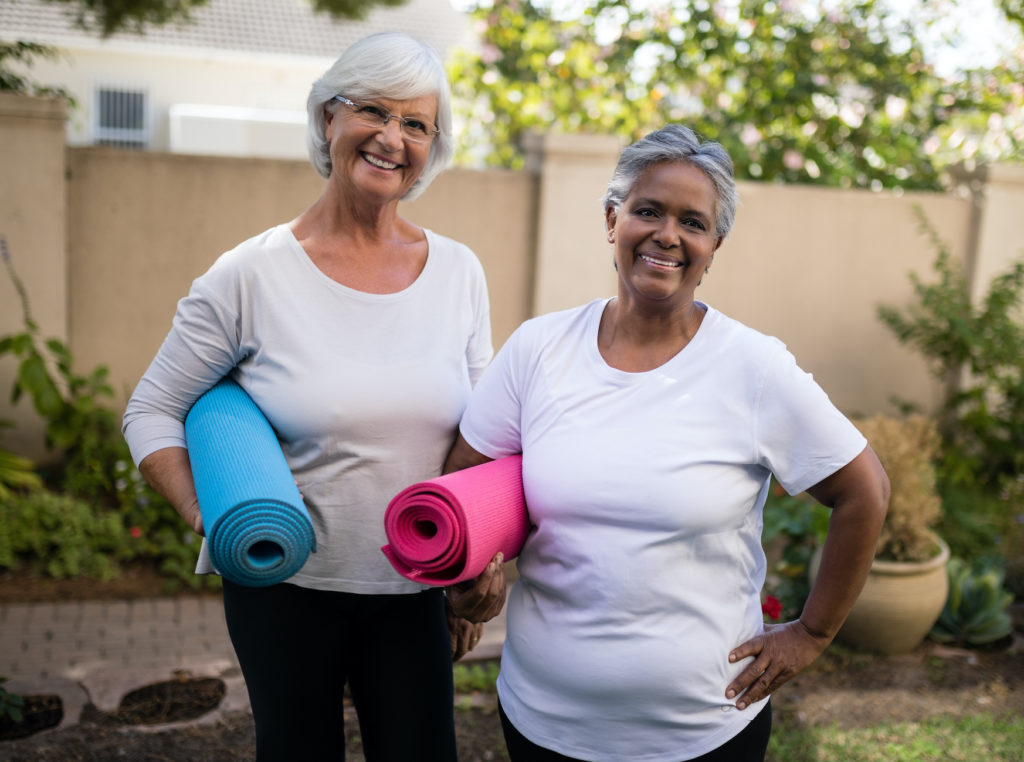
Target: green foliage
794	527
60	536
96	464
16	472
829	93
975	613
24	53
107	17
979	352
475	677
11	704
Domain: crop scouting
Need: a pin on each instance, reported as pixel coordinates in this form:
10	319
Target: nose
391	133
665	234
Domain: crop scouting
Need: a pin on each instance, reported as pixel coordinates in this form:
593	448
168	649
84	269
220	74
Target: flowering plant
771	607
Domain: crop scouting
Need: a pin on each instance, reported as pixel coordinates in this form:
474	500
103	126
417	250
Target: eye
690	222
416	125
645	212
375	112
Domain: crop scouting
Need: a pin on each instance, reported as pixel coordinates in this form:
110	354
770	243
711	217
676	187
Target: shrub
793	528
96	465
978	353
60	536
907	449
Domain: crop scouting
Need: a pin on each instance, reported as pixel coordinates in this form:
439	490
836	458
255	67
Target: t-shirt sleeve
202	346
802	437
491	423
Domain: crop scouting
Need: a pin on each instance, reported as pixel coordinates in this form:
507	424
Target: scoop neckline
349	290
599	307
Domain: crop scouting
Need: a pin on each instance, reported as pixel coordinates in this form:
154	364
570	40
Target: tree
794	91
107	17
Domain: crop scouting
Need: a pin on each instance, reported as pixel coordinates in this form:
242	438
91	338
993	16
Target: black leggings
750	745
298	647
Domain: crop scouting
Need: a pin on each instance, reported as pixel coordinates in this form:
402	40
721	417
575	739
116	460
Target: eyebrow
690	212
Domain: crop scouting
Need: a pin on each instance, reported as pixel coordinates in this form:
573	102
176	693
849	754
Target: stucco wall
107	241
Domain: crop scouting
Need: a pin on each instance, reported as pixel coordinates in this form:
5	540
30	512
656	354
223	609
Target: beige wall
32	212
105	268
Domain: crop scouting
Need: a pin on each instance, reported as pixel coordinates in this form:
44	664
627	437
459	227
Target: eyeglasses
416	130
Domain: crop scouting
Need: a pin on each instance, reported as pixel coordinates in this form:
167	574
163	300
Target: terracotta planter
900	602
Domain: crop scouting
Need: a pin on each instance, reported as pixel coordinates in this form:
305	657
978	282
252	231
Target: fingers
464	636
780	653
481	599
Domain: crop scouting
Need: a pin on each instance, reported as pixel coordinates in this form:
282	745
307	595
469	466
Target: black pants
297	649
749	746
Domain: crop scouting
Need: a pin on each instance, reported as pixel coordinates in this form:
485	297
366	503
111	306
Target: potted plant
907	586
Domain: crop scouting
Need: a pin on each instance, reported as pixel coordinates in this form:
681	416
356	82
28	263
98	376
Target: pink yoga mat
446	530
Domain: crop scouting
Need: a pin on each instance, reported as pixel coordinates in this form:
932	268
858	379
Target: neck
636	339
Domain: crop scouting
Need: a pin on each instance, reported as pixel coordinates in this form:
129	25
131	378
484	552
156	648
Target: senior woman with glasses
359	336
650	425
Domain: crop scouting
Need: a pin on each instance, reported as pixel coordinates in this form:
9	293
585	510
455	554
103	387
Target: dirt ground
845	687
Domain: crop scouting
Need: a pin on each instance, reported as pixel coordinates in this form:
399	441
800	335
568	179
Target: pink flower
771	607
135	532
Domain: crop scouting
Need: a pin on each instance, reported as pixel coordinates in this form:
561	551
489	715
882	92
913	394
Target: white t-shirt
365	391
646	491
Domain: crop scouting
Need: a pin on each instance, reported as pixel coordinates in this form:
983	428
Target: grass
938	739
981	737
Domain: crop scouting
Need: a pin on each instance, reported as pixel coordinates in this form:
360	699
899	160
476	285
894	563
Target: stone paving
97	651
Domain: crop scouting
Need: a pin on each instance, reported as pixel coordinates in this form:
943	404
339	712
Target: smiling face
664	235
377	162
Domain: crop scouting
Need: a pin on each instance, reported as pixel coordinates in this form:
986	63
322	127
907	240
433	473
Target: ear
610	216
718	242
328	120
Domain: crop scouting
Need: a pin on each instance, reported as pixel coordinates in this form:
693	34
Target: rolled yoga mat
258	531
446	530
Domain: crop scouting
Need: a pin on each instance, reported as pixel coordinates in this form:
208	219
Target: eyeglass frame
387	116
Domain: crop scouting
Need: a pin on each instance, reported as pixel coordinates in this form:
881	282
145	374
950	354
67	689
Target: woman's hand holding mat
446	530
257	528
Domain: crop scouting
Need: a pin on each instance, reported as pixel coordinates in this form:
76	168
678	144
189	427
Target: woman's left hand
464	635
781	652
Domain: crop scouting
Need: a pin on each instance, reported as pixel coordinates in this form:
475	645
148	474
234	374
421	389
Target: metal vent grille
122	118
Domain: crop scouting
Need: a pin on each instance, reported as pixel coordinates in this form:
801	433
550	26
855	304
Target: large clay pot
900	602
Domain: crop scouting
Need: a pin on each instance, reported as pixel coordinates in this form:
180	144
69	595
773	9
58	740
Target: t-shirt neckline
594	324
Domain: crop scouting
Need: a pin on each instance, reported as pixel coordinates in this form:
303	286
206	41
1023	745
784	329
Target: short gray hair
383	65
677	143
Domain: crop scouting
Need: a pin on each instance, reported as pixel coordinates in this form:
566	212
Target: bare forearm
857	516
169	472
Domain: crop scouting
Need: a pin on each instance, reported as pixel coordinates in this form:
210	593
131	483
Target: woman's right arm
169	472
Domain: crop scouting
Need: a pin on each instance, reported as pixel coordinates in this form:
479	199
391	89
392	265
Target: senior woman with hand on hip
650	425
359	336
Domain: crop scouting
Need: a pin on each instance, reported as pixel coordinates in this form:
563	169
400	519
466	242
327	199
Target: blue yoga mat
258	531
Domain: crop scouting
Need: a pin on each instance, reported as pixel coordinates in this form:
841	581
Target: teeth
379	162
660	262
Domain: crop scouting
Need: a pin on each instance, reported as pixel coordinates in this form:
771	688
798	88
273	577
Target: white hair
383	65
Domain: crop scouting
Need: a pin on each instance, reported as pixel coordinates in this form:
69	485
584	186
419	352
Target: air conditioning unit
237	131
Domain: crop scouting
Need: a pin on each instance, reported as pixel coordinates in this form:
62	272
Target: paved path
97	651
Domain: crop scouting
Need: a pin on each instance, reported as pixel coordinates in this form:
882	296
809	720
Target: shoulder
451	252
561	323
739	340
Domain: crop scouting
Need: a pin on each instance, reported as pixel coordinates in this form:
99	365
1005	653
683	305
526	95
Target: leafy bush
60	536
16	472
976	609
978	352
793	528
907	449
96	465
